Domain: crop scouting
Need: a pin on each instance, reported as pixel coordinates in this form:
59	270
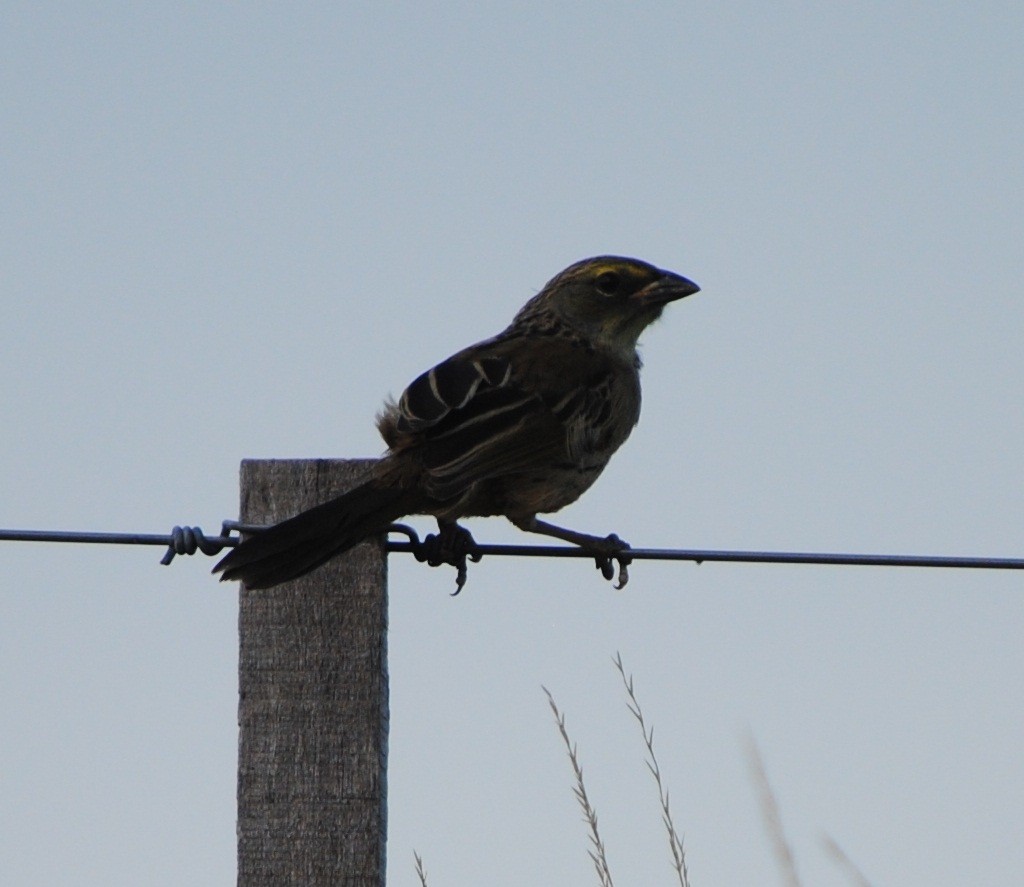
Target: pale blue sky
231	231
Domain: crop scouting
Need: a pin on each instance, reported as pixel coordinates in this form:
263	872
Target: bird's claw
613	550
451	545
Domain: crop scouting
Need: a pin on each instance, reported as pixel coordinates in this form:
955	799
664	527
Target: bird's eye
608	283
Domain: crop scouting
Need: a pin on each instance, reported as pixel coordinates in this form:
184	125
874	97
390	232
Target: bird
517	425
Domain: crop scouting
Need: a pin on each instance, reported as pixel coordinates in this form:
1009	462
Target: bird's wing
451	385
495	409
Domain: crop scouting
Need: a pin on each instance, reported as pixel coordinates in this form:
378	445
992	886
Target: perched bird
517	425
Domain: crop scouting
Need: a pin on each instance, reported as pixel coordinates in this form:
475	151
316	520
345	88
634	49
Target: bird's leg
451	544
606	548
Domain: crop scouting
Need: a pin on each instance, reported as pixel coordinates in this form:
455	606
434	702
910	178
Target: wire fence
189	540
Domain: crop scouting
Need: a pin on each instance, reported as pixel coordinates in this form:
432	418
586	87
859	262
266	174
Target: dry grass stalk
675	842
422	872
772	817
845	863
597	854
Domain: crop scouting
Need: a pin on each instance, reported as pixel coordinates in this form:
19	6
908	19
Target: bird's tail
294	547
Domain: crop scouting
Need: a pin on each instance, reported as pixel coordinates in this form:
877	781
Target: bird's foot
451	544
604	548
608	550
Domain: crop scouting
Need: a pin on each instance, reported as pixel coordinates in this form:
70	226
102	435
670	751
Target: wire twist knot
189	540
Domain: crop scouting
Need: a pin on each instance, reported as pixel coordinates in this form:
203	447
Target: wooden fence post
313	699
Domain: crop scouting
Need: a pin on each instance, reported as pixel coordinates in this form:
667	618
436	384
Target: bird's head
609	299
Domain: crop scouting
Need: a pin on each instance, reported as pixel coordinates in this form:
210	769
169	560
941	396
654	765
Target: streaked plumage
517	425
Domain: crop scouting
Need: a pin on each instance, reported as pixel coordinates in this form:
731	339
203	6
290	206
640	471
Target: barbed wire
185	540
181	540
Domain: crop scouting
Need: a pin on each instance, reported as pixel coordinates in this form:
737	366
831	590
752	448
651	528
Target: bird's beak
665	289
